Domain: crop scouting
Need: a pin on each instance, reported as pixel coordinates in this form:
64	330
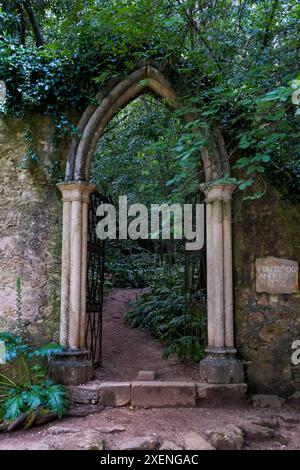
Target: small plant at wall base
27	395
20	323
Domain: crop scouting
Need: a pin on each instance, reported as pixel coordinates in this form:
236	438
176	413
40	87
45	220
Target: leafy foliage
164	311
135	156
233	63
129	265
25	387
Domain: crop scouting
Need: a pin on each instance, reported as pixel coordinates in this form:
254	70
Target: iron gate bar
195	274
95	281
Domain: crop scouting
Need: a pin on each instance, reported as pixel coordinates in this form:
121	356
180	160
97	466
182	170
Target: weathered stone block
70	374
71	368
145	375
141	443
114	393
159	394
222	394
84	394
221	371
267	401
229	437
194	441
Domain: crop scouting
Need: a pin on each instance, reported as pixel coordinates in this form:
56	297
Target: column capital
75	190
217	191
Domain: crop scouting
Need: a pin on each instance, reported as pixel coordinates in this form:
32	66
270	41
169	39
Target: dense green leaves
232	62
25	388
13	407
55	399
127	264
139	155
165	312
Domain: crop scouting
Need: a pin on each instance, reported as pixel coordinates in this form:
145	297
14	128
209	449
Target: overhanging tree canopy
231	60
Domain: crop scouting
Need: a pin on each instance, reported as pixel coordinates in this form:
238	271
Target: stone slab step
157	394
163	394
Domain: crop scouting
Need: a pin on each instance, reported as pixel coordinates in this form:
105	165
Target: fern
163	310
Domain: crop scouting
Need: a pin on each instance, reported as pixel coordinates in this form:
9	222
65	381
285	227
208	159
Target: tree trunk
22	26
35	26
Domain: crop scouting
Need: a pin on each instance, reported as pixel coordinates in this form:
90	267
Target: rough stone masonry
266	324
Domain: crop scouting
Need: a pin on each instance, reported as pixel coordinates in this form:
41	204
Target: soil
167	424
126	351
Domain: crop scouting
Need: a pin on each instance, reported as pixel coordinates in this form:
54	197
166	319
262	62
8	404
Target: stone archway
220	365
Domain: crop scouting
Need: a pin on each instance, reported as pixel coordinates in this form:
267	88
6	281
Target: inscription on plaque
276	275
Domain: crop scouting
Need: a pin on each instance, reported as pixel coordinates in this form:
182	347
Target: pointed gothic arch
220	365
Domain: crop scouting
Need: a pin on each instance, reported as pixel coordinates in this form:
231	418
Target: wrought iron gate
195	261
195	283
95	281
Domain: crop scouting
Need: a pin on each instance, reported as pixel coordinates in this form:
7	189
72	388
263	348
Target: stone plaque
276	275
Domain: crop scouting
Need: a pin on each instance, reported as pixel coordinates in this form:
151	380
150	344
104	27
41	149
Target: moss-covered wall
266	325
30	229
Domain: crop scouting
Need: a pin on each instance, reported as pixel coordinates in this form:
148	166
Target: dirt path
119	425
126	350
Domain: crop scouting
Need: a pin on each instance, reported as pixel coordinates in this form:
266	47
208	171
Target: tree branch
270	19
39	40
22	26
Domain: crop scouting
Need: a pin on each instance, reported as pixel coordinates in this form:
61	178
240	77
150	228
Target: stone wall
266	325
30	247
30	230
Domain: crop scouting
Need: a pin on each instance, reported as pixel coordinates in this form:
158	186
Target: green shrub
25	390
129	265
165	311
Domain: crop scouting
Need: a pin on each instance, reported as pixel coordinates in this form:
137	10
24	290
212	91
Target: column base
71	368
221	366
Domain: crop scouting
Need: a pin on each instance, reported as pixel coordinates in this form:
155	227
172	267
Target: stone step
163	394
157	394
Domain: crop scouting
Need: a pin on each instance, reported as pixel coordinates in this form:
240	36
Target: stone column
220	365
72	367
